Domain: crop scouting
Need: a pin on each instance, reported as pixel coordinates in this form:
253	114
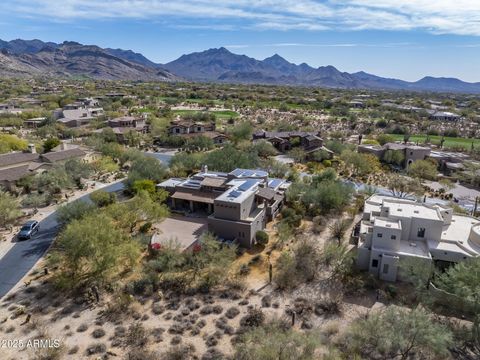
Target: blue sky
405	39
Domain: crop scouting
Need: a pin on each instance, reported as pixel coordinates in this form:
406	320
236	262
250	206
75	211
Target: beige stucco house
393	228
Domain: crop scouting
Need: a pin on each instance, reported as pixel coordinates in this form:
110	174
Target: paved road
24	254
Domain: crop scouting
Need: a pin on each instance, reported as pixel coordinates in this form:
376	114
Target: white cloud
436	16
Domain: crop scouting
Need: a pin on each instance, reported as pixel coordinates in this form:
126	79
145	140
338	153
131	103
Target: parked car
29	229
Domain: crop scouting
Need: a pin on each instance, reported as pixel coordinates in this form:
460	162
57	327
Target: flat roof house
392	229
238	204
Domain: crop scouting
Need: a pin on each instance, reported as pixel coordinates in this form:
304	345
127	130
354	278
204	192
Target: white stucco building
394	228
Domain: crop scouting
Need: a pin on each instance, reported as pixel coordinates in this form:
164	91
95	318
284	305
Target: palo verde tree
9	209
398	333
92	250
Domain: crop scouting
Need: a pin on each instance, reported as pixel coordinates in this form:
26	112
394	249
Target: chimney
204	169
32	149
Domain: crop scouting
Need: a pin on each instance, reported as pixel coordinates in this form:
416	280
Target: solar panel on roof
273	183
247	185
235	193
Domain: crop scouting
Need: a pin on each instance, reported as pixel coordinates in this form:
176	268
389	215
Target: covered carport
193	201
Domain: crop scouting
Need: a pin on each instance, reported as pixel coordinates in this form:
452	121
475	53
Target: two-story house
237	204
394	228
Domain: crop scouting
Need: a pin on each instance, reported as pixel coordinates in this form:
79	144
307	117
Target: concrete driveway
185	230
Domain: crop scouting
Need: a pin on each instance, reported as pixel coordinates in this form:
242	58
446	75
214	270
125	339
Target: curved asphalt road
24	254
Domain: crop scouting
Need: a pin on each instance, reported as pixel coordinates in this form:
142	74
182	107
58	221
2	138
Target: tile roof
16	158
63	155
14	173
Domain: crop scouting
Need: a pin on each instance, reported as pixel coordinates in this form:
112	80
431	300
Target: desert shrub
266	301
273	341
217	309
177	339
298	266
232	312
82	328
136	335
254	318
157	308
207	309
98	333
97	348
180	352
328	306
338	229
142	354
261	237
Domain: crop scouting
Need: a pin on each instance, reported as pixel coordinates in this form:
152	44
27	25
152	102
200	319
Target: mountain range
27	58
37	58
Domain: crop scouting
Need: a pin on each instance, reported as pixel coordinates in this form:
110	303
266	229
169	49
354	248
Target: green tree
321	155
11	143
141	208
230	158
402	186
92	250
145	168
398	333
263	148
9	209
462	280
241	131
78	170
199	143
385	138
393	157
360	164
297	154
74	210
261	237
50	143
105	165
102	198
53	181
423	169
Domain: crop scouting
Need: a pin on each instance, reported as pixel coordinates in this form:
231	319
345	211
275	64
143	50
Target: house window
374	263
177	130
421	232
379	235
385	268
393	237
